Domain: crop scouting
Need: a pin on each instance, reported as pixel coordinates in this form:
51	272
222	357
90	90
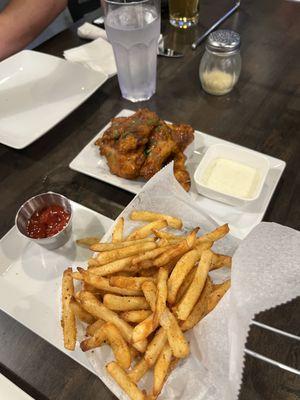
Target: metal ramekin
38	202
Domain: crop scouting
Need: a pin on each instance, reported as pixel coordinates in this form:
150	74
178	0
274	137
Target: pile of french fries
140	293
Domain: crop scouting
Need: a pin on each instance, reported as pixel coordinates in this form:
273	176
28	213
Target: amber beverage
184	13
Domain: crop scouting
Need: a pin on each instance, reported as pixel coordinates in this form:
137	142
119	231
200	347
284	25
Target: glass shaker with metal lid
220	66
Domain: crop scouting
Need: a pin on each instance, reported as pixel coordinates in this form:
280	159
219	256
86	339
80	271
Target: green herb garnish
116	135
150	122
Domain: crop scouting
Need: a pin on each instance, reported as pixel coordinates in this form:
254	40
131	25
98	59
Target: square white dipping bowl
249	158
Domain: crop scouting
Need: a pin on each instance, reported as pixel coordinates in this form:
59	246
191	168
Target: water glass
133	29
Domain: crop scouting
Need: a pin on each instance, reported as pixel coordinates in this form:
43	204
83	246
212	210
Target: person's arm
22	21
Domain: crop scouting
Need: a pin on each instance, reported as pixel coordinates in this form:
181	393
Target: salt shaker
220	66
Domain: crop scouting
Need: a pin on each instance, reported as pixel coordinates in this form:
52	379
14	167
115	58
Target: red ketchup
47	222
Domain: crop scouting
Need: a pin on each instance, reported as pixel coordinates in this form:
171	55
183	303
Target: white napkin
89	31
97	55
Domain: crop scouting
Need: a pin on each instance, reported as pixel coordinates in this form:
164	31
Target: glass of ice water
133	29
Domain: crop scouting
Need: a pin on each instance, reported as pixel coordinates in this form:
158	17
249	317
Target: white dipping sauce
231	177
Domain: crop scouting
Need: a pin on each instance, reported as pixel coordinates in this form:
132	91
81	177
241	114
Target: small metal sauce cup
37	203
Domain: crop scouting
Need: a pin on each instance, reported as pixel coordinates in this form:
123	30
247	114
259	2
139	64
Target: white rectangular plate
30	277
37	91
241	219
10	391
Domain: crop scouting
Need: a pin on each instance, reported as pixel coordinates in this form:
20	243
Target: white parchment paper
264	274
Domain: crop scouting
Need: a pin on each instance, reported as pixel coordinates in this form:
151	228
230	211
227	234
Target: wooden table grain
262	113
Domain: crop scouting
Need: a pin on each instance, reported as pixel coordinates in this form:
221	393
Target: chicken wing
142	144
180	171
123	144
182	134
161	148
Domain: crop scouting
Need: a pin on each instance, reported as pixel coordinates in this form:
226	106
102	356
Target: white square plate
241	219
37	91
30	277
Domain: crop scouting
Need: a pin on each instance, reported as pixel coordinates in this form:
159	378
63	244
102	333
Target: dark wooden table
262	113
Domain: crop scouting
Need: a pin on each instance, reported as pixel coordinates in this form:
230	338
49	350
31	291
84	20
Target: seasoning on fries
140	293
68	321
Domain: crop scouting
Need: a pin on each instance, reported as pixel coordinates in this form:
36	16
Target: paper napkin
97	55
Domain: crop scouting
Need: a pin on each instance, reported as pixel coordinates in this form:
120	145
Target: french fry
126	303
131	283
149	216
170	242
92	305
133	352
144	329
150	255
179	273
170	266
176	339
138	371
148	273
120	245
166	235
155	347
112	267
90	288
88	241
190	298
205	245
161	368
92	262
133	269
216	234
178	250
217	294
118	254
124	274
200	309
150	396
185	284
117	235
92	328
102	283
135	316
144	265
146	230
162	243
149	291
178	278
118	345
68	321
80	313
95	341
161	294
219	261
123	380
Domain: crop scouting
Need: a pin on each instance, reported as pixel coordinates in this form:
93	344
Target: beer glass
184	13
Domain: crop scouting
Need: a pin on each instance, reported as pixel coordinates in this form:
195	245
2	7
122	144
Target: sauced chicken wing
142	144
180	171
182	134
161	147
123	144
